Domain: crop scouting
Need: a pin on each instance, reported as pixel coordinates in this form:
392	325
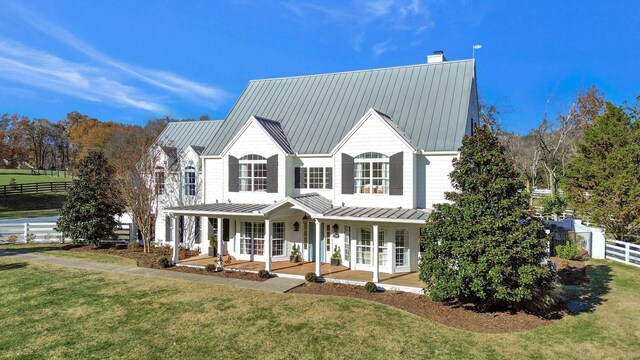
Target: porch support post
267	245
219	236
374	253
176	240
318	232
204	225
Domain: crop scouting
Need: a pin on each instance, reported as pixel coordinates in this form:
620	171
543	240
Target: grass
58	312
30	205
24	176
59	251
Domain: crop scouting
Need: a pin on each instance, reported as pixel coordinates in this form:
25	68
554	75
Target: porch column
374	253
267	244
392	253
318	232
204	225
219	236
176	240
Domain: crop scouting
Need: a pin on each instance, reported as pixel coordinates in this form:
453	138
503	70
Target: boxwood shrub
311	277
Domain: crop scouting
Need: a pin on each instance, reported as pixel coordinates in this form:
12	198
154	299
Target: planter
212	251
335	262
294	259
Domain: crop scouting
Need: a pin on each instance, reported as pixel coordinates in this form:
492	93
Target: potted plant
213	240
294	257
335	258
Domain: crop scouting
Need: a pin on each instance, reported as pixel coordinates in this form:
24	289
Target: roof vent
437	57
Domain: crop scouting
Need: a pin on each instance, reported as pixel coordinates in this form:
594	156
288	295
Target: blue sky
130	61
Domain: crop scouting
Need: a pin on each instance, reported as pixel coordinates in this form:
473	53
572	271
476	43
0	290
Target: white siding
374	135
213	180
254	140
325	161
435	170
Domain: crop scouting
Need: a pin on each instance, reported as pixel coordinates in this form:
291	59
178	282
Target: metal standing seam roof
274	130
428	102
221	208
315	202
182	134
378	213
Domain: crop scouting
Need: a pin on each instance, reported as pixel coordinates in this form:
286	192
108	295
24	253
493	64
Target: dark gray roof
378	213
315	202
181	134
274	130
221	208
428	102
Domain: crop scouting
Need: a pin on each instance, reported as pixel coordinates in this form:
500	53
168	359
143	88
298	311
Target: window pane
328	178
316	178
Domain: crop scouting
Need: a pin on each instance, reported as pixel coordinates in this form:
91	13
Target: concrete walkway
276	284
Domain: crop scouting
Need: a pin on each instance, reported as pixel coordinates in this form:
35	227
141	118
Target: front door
311	235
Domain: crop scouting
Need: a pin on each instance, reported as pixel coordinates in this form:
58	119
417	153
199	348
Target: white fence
31	232
623	252
45	233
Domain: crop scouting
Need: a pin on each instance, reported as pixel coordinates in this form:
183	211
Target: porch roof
219	209
417	216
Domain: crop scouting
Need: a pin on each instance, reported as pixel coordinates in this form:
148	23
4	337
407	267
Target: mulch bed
149	260
455	315
225	273
571	272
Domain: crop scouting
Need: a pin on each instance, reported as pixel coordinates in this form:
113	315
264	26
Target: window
252	238
277	239
159	180
253	173
402	244
315	178
305	235
371	173
363	248
347	243
383	250
196	231
190	181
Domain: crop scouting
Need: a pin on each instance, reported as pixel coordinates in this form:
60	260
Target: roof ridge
359	71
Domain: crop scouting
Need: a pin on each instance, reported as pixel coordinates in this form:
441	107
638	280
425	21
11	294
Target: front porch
408	282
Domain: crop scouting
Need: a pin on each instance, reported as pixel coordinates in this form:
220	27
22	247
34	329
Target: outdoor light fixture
296	226
335	231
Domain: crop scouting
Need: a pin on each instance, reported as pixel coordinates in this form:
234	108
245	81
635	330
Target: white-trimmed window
363	247
402	247
383	250
347	243
315	178
277	239
252	238
371	173
253	173
190	181
159	180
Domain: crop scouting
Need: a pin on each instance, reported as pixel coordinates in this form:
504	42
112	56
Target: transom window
159	180
277	239
316	178
253	173
371	173
190	180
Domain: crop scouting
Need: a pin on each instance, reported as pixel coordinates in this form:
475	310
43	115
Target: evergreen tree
93	202
483	246
603	180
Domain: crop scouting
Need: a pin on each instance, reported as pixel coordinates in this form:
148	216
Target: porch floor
327	271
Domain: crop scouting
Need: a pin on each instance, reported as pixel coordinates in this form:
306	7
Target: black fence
34	188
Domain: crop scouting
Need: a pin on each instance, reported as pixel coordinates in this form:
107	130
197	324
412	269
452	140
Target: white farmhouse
347	163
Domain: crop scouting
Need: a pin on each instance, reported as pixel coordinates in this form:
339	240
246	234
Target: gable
428	102
374	132
252	139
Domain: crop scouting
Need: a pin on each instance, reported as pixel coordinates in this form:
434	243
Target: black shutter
272	174
296	178
347	174
396	174
234	174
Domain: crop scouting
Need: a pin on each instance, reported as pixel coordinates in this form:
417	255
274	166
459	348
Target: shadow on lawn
37	248
12	266
588	296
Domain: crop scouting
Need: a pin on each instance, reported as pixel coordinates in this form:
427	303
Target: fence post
21	189
627	254
26	231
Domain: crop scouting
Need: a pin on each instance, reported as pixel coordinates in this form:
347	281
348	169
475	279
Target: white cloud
380	48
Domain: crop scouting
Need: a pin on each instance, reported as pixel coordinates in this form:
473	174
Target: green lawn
49	311
24	176
30	205
60	251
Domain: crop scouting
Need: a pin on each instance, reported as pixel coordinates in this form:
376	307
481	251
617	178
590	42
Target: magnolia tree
484	246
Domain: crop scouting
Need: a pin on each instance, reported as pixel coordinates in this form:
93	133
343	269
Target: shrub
311	277
12	239
163	262
210	268
30	238
370	287
132	245
264	274
568	251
